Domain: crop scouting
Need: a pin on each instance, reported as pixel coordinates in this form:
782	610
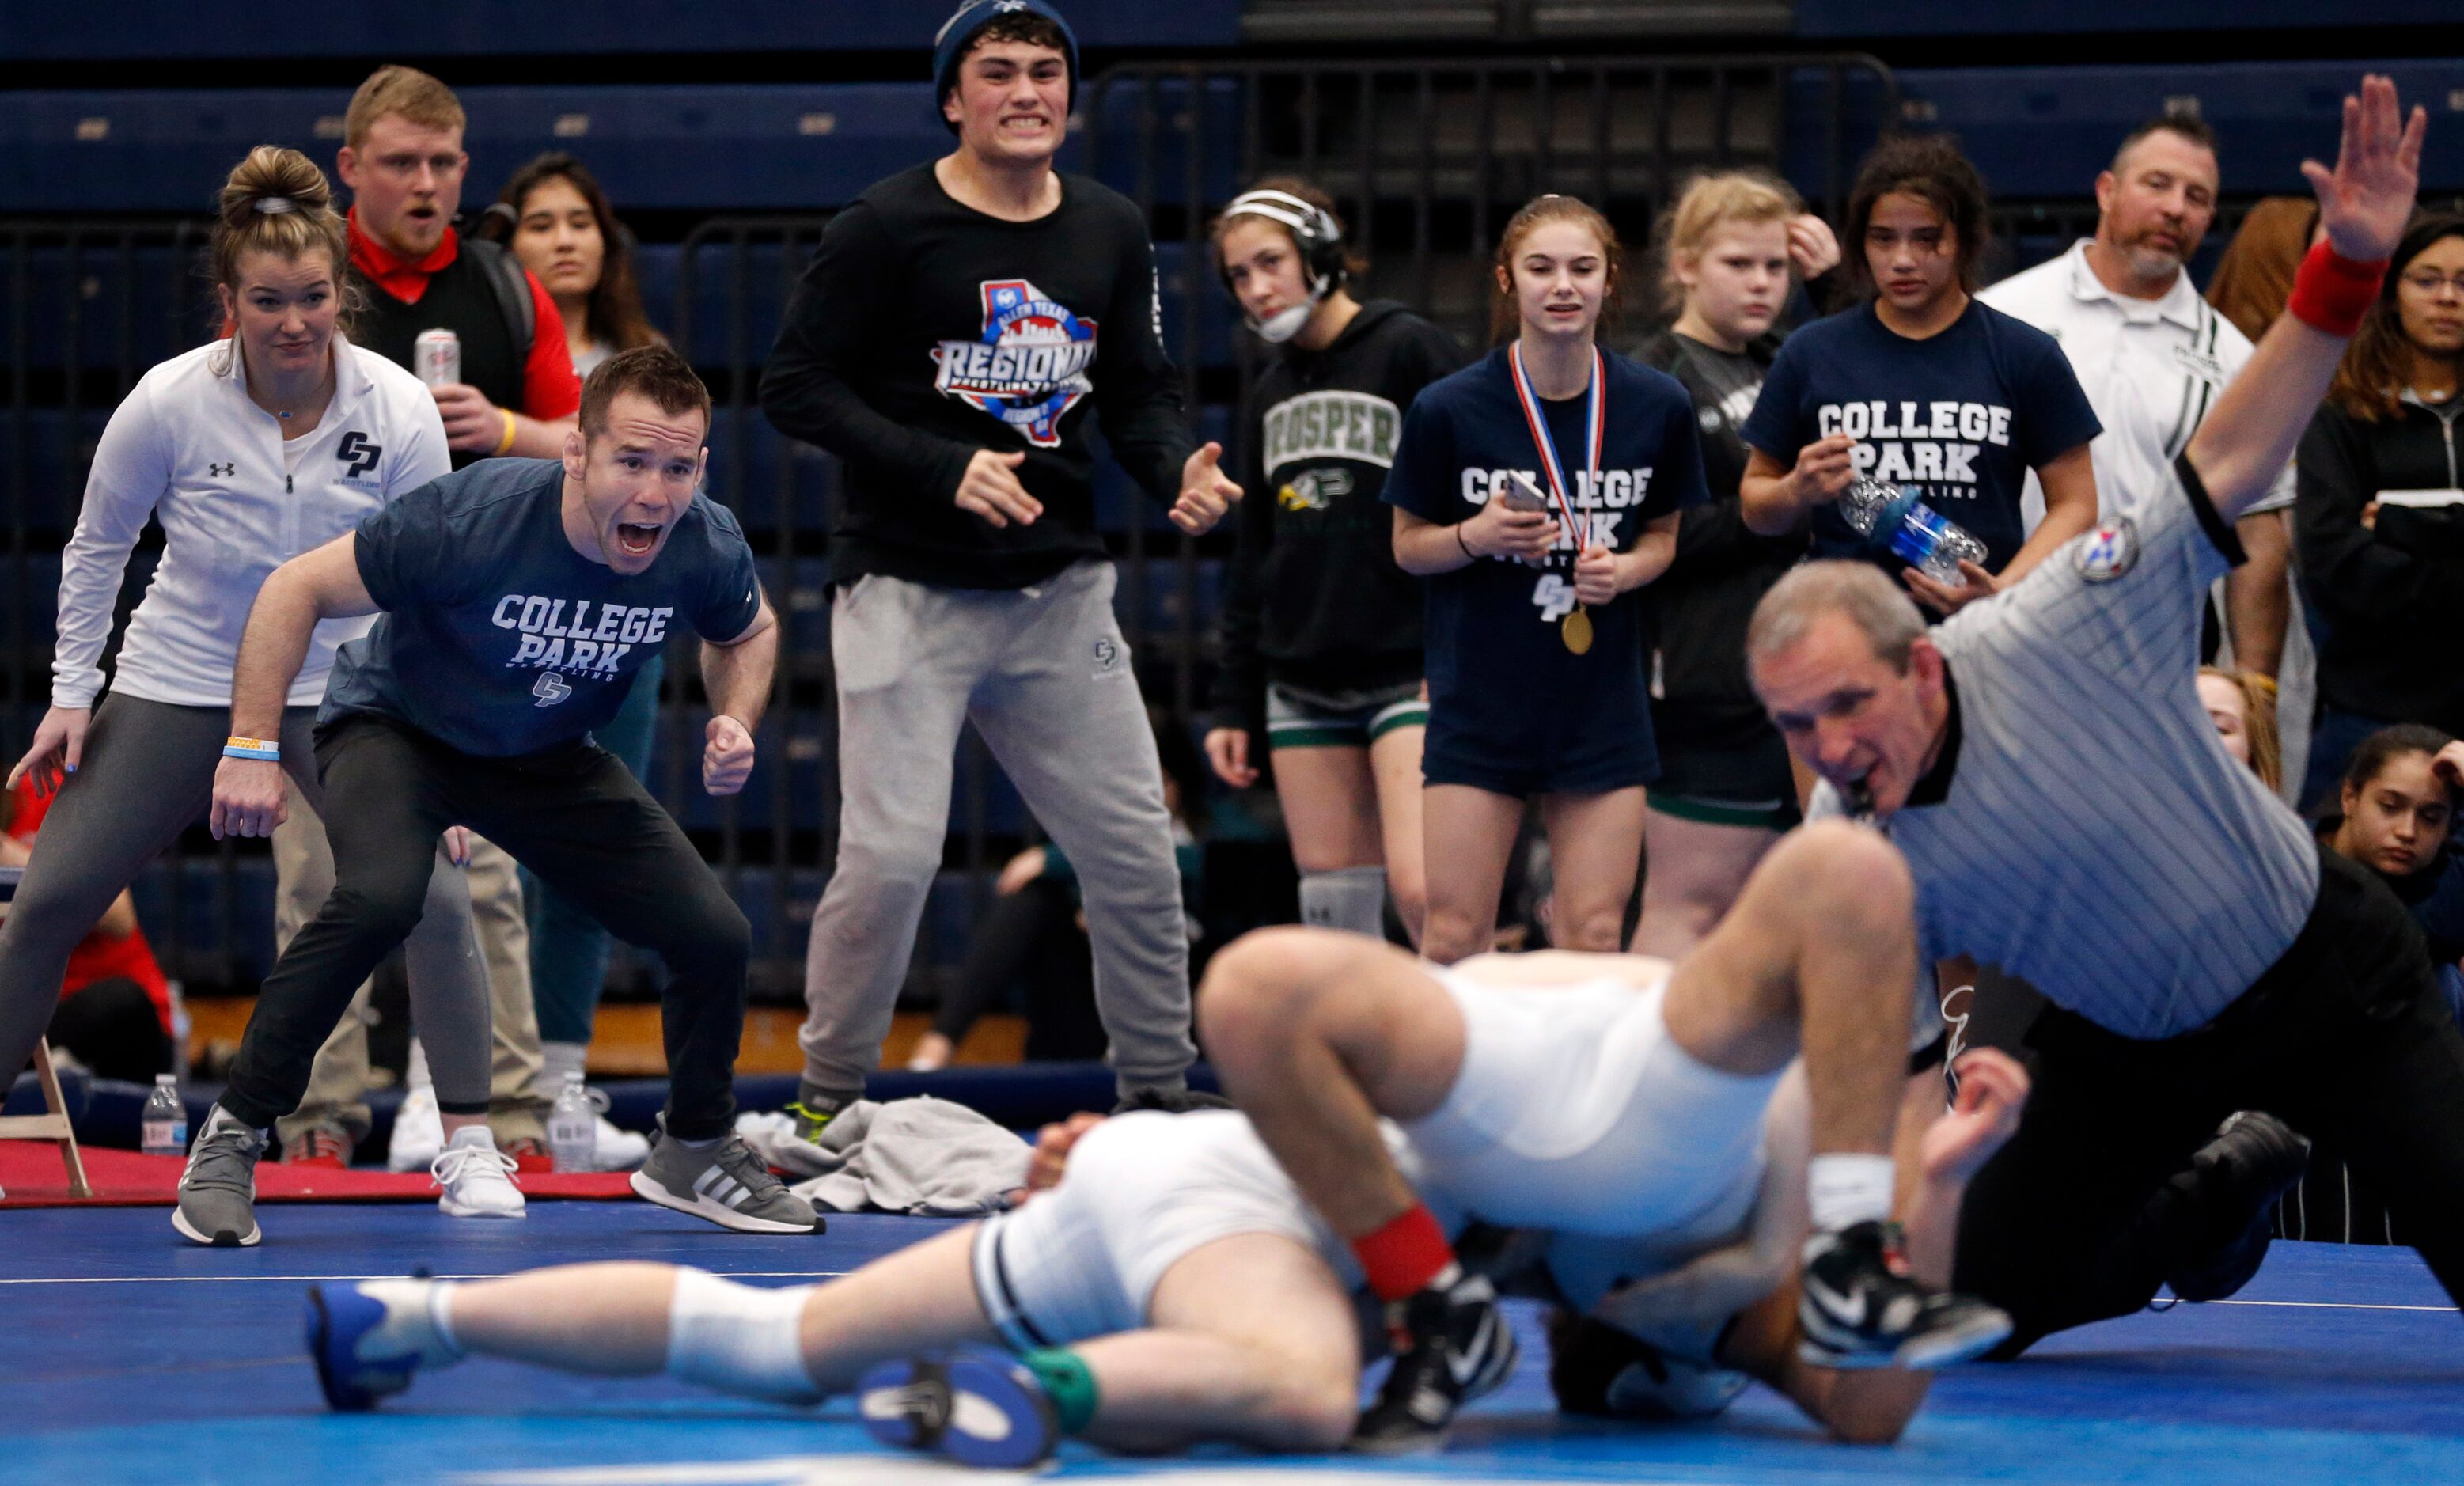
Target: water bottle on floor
1918	534
573	1127
162	1130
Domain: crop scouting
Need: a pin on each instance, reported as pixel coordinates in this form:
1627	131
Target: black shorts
1583	759
1721	764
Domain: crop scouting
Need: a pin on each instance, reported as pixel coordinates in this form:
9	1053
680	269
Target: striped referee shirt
2083	826
2151	369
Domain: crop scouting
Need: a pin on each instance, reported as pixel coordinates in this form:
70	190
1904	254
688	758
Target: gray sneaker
725	1183
218	1191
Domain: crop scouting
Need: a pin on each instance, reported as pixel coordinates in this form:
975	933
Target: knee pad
739	1338
1352	898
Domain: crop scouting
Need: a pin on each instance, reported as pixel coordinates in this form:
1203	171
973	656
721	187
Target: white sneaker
620	1150
418	1131
476	1177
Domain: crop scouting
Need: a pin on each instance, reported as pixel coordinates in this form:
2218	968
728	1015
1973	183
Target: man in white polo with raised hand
2153	356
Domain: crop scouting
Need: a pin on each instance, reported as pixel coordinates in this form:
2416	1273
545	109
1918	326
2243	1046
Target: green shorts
1356	719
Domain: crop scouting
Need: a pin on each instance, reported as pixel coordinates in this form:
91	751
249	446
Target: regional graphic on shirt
1029	366
1962	416
498	637
1495	649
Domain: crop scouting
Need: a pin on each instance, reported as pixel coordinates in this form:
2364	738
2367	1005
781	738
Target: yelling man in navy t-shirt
517	597
1924	387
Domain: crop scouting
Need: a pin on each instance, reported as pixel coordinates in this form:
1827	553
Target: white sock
1352	898
559	1059
1845	1191
414	1073
419	1322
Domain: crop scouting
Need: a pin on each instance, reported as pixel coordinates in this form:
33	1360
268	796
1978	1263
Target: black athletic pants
577	818
2345	1037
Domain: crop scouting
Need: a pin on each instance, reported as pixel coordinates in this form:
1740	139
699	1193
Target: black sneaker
1170	1100
2255	1160
1859	1309
1451	1346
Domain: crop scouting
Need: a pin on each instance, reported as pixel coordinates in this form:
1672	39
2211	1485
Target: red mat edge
33	1175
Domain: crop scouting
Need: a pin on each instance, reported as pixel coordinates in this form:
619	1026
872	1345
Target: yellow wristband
236	741
509	429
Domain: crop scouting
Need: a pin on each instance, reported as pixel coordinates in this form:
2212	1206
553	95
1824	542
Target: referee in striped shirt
2042	761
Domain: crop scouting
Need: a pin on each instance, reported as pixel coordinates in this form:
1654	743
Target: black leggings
1034	933
575	815
2347	1036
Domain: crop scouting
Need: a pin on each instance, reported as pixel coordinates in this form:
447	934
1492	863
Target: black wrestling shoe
1859	1309
1451	1346
2255	1160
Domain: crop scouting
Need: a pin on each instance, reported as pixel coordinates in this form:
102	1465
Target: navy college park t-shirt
1962	416
498	638
1502	683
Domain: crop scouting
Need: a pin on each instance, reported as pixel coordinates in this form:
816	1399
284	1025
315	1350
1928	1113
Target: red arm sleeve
550	390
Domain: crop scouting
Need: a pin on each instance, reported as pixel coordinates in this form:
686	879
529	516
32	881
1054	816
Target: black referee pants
2344	1037
577	818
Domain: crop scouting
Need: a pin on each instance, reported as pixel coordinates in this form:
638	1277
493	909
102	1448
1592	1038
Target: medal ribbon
1594	416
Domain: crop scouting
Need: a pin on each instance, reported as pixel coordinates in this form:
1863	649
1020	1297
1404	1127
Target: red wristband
2331	292
1405	1255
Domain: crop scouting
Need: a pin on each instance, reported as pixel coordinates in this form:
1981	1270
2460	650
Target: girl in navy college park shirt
1922	386
1537	488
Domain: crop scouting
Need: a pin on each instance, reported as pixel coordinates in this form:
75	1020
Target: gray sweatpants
147	772
1044	674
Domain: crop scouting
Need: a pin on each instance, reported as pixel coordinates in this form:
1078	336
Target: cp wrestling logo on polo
1030	366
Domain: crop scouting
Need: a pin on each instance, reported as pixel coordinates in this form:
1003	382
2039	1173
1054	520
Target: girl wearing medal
1537	489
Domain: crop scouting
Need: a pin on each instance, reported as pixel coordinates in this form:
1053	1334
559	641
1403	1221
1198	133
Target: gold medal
1576	629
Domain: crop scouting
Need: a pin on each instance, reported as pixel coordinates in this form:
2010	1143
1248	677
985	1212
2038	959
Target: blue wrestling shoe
368	1340
979	1408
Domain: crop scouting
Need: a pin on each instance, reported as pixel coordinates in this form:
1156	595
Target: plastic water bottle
573	1127
1917	533
162	1130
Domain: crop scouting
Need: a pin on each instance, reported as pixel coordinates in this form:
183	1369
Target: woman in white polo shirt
249	451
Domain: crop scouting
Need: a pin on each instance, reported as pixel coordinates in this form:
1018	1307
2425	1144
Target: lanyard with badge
1575	628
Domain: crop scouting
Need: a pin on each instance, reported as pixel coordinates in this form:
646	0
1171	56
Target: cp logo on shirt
550	689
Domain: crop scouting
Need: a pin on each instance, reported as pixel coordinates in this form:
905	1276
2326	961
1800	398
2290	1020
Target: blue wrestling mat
128	1356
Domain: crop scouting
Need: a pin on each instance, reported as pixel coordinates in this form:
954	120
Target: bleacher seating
692	148
2044	132
296	30
1872	19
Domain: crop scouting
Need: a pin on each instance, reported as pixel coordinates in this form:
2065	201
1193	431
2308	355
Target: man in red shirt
402	159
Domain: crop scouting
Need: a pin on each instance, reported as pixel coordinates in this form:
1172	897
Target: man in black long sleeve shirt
953	331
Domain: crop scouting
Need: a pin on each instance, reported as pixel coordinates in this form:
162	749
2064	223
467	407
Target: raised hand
1205	492
2367	200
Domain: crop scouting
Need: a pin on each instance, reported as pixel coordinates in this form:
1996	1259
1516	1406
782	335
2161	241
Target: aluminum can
436	358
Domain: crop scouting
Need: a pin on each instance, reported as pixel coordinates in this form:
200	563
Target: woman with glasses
2379	512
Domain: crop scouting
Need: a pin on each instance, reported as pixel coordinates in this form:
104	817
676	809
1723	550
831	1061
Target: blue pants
568	949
